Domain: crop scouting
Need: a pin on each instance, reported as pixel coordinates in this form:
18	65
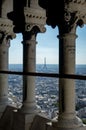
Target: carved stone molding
34	17
76	1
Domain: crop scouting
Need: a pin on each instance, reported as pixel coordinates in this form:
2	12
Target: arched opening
46	88
15	64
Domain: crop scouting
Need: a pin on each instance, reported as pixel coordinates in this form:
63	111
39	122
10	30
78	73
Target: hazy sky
47	46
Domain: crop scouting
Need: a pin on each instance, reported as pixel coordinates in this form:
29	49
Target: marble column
29	65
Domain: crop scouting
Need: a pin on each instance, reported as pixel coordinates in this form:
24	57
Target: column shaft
3	77
29	65
67	66
67	114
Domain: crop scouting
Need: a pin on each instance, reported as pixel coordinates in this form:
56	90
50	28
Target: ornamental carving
34	17
74	14
71	21
6	30
76	1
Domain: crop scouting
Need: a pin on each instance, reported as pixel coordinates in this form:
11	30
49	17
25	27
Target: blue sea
47	88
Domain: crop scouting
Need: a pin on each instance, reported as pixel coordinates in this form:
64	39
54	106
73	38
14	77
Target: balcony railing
53	75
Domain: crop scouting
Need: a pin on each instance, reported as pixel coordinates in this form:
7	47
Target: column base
27	109
50	126
70	123
28	115
66	124
33	121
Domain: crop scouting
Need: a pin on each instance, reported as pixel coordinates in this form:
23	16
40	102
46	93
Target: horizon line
42	64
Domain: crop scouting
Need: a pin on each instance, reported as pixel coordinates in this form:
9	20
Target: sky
48	47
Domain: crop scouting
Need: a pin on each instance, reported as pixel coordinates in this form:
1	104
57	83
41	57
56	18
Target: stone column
6	33
35	19
4	46
67	114
67	118
29	107
29	65
72	15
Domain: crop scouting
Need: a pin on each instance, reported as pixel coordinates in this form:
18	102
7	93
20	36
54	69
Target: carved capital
74	14
4	39
71	21
7	26
6	30
34	18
